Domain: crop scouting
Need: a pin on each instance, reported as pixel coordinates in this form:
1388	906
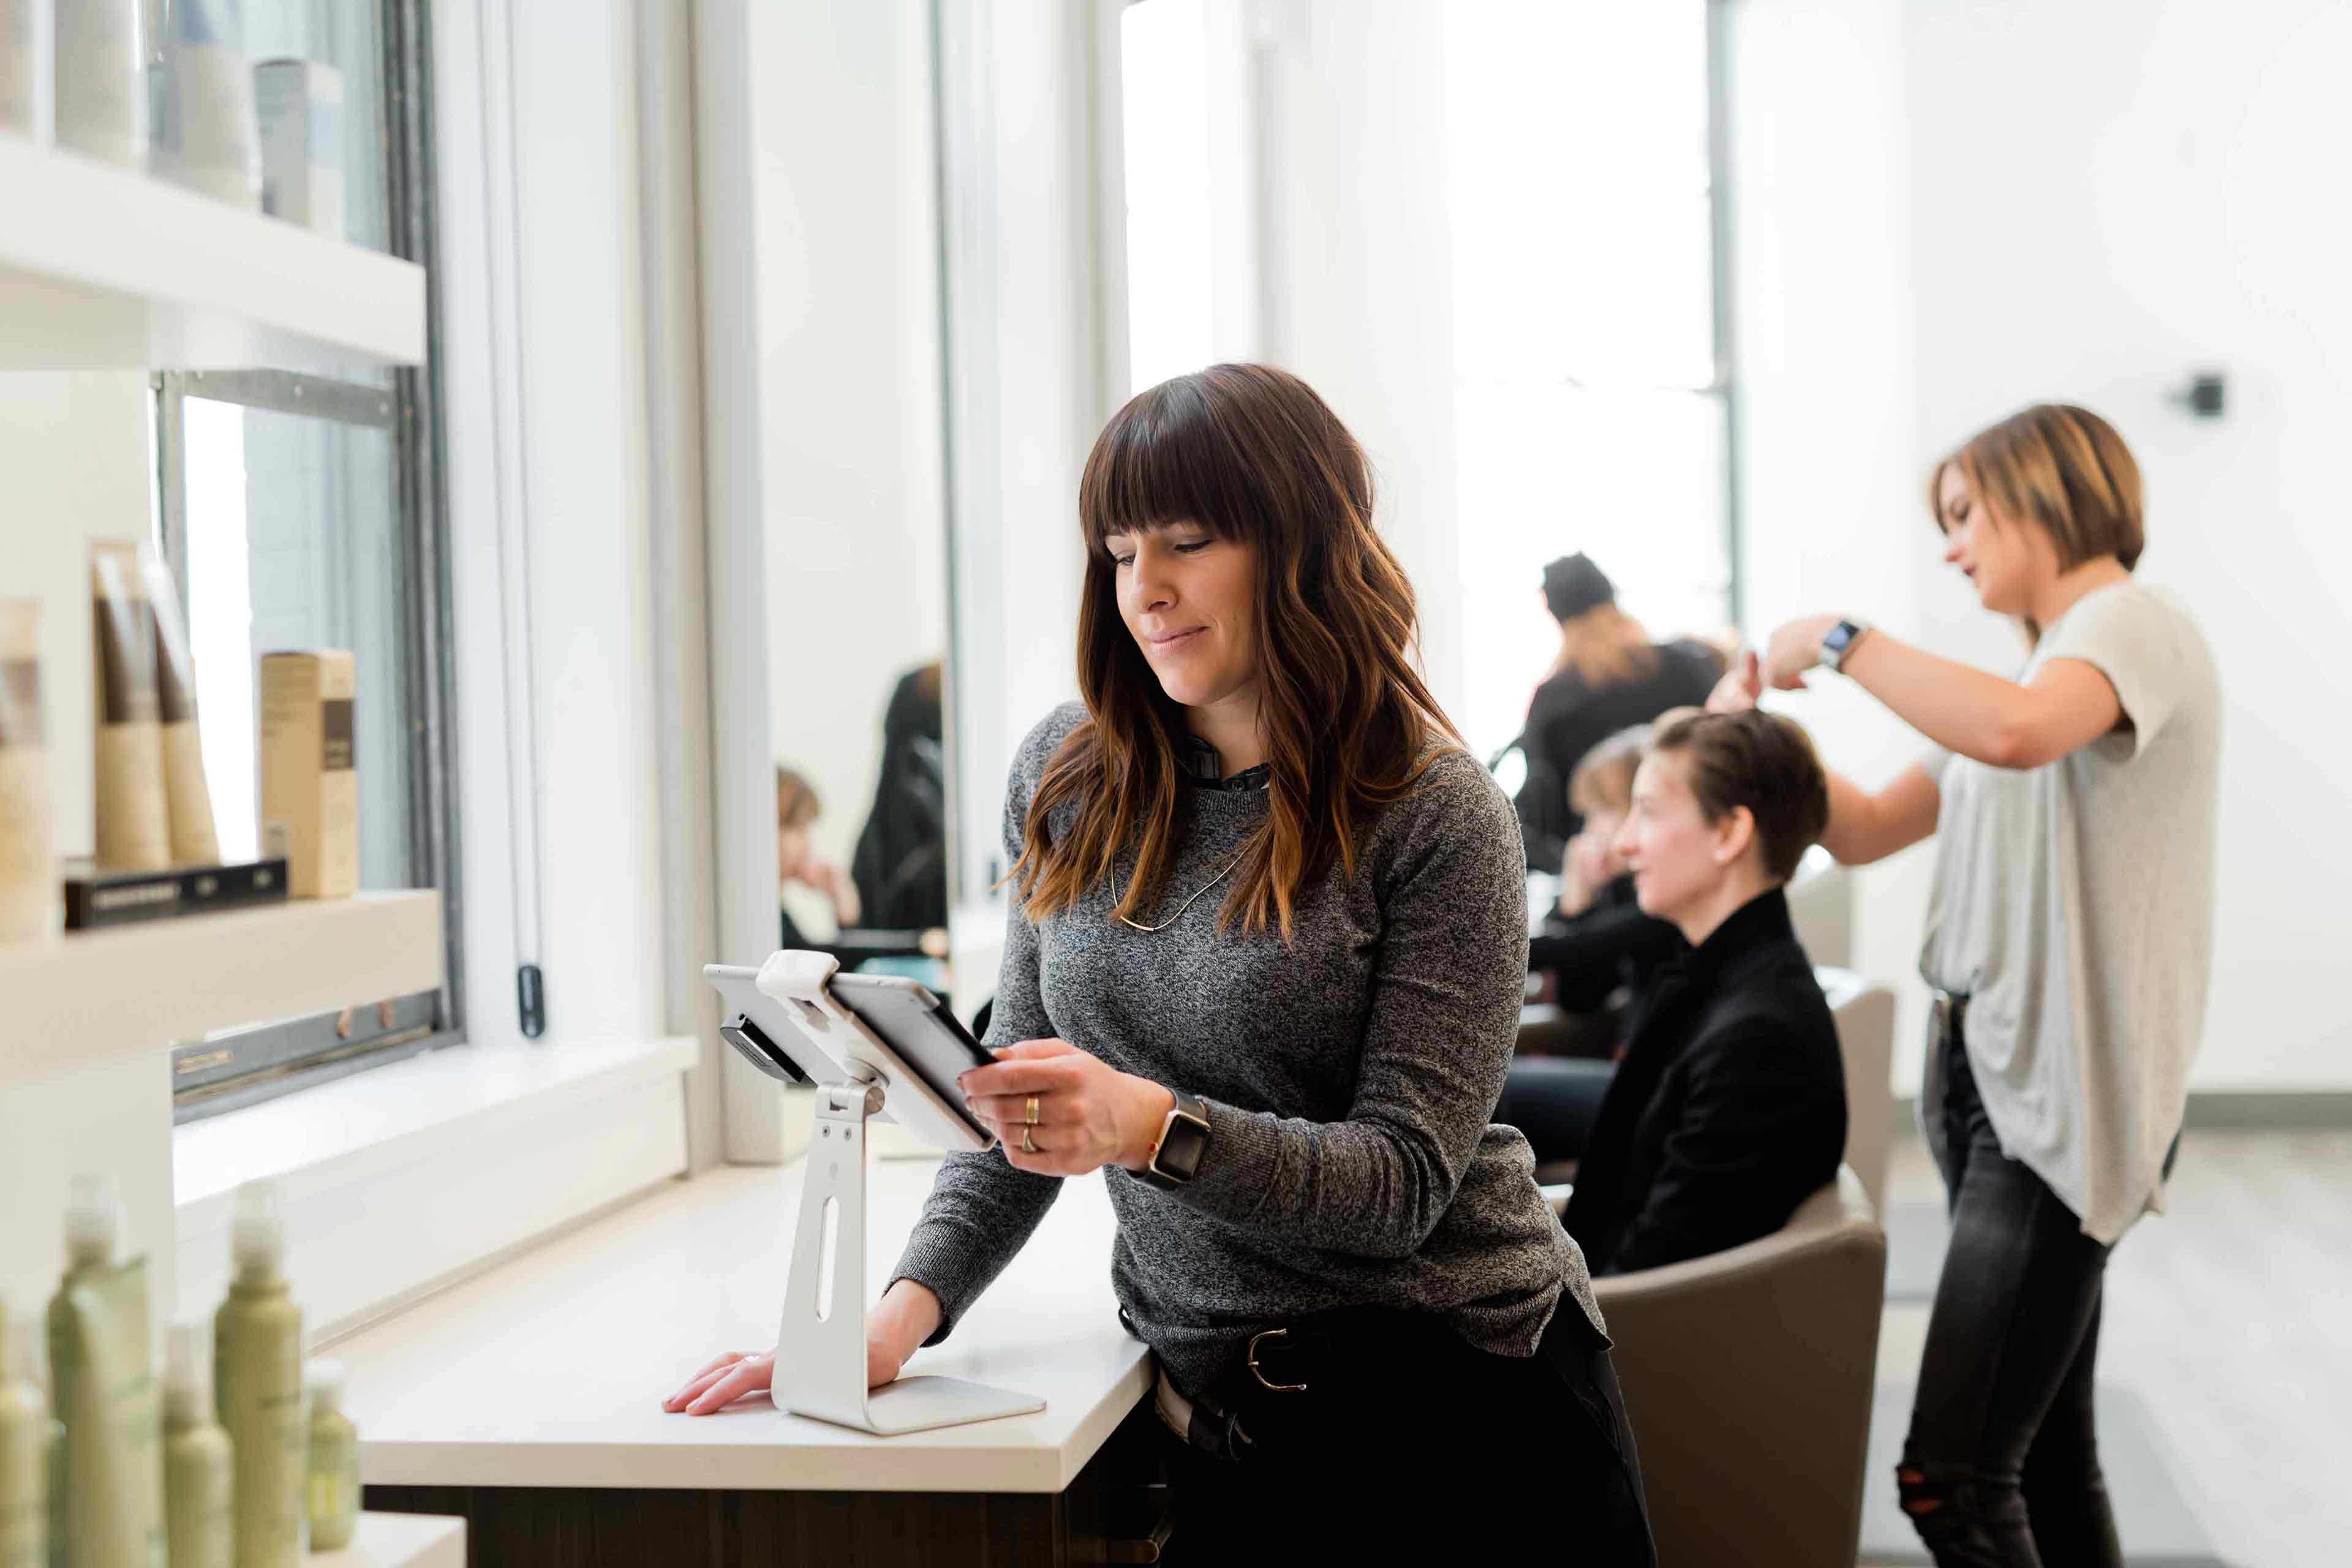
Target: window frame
248	1065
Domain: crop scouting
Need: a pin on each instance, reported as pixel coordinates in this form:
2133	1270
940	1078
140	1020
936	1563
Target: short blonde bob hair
2062	469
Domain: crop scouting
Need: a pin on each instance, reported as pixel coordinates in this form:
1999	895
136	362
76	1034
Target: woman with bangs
2069	943
1264	975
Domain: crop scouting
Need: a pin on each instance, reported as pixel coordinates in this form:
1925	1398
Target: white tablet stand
820	1367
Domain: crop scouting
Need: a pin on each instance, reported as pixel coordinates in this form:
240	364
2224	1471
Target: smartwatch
1838	642
1183	1139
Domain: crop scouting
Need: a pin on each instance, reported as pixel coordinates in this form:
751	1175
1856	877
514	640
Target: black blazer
1728	1110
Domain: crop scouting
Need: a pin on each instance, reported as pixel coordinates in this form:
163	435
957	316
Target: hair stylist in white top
2068	939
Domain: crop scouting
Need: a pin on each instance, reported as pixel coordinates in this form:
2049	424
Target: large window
1592	407
302	510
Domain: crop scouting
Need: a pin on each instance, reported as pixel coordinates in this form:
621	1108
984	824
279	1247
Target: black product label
126	660
20	702
335	725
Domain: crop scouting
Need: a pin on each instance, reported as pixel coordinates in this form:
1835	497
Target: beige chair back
1864	1011
1747	1377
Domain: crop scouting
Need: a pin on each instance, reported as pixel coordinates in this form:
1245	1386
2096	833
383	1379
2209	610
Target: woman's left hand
1088	1113
1795	649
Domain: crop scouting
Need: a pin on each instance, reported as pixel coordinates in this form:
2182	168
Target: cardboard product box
298	106
310	784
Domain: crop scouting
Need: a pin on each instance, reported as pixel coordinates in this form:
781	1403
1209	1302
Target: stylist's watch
1183	1139
1838	642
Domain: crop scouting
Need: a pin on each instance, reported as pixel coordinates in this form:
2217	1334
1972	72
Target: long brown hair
1250	454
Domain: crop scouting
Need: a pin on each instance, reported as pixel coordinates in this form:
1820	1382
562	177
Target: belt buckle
1258	1372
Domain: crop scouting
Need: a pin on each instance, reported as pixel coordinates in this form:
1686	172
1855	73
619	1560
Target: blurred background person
901	864
1609	675
800	871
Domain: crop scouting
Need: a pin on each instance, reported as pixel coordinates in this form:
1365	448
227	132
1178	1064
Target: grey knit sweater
1348	1080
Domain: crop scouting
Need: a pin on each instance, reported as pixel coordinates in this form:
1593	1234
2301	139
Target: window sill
399	1180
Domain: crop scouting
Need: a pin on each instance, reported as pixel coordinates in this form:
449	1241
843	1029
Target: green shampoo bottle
25	1435
197	1482
257	1364
110	1510
334	1459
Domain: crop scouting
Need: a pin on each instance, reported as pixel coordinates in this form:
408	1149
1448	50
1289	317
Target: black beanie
1573	585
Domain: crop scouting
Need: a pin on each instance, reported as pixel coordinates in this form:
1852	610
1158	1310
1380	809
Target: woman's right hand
907	1315
1740	687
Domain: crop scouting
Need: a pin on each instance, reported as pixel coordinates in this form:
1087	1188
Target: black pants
1555	1100
1427	1440
2002	1466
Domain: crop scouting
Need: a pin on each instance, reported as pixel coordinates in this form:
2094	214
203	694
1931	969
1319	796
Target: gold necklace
1187	904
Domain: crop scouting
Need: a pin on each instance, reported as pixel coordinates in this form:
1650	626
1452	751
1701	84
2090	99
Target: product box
300	106
310	786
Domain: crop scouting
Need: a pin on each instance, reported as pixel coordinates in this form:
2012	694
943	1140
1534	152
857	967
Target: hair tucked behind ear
1250	453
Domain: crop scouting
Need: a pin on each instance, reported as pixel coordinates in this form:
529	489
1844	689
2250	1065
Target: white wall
849	368
2160	189
2090	201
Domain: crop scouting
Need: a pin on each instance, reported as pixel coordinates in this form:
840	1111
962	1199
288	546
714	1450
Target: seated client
1729	1107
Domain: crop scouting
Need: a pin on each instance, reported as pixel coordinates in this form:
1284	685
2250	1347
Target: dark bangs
1164	459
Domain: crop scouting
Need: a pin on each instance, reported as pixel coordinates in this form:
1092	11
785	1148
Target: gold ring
1031	1117
1026	1146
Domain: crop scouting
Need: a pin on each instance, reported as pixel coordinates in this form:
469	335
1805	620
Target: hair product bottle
258	1363
205	137
197	1458
102	1371
101	80
24	1448
134	834
29	904
334	1459
187	799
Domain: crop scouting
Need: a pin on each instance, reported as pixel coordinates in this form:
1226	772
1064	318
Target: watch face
1179	1148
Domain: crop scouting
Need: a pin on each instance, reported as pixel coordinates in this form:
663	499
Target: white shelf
86	996
399	1541
100	267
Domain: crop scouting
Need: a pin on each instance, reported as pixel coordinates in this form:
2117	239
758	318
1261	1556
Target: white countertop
550	1370
399	1541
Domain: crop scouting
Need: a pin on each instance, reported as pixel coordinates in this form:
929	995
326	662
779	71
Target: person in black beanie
1609	677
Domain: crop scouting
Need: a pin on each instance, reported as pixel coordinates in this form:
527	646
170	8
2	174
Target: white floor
2232	1317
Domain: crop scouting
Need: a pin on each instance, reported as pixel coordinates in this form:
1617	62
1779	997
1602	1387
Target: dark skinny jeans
2002	1466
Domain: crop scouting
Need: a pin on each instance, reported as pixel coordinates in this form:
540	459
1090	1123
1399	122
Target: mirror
856	531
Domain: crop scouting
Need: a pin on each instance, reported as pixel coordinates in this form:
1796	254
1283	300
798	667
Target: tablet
798	1018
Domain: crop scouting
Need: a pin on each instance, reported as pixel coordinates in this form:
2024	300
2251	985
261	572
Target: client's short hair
1603	781
1762	762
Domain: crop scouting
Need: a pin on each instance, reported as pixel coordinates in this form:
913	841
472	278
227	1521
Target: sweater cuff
935	1260
1238	1168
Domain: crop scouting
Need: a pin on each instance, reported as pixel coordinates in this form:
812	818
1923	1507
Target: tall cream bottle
258	1346
23	1449
196	1456
102	1377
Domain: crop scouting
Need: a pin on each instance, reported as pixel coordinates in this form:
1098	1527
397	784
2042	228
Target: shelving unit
101	267
89	996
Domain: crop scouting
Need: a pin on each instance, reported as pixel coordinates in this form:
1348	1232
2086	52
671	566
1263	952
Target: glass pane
1635	479
1579	184
1171	264
292	542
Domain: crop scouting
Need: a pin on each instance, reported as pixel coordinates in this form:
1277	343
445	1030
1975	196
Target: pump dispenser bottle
334	1459
24	1448
257	1343
196	1456
102	1377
